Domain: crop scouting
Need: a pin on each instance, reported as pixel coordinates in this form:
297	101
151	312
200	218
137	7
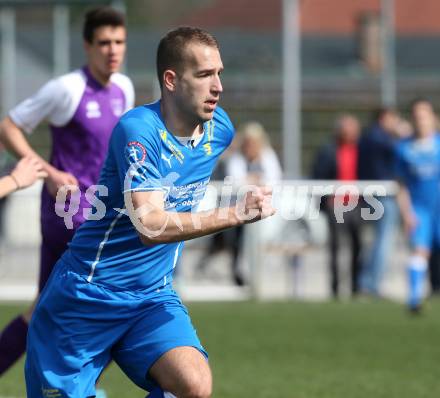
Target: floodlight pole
8	78
119	5
61	42
291	86
388	76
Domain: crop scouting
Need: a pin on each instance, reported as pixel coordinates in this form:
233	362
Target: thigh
53	246
354	224
162	326
70	338
334	229
422	236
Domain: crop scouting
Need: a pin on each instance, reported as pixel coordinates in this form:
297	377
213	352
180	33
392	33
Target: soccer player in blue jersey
110	295
418	170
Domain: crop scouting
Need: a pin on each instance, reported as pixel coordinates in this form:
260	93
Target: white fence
284	256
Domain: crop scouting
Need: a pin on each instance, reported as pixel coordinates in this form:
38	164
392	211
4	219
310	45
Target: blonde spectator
257	163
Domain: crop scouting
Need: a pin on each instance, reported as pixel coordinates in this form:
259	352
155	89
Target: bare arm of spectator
28	170
14	140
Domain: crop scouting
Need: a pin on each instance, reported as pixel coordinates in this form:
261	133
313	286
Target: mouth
211	104
113	63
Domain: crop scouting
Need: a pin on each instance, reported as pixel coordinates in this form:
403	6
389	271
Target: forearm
166	227
156	225
404	201
15	142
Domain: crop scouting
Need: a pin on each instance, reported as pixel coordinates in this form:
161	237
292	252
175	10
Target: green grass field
302	350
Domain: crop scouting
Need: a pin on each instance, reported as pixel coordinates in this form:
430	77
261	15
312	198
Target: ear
169	79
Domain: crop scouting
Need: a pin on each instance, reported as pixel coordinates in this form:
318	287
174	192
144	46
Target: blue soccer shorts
425	232
79	327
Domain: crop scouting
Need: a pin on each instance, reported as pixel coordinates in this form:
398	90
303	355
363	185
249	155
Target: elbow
146	240
152	227
151	240
152	233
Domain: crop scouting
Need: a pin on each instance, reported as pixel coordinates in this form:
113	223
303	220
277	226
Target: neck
177	122
104	80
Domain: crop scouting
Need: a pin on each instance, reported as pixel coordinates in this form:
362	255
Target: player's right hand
256	205
58	180
28	170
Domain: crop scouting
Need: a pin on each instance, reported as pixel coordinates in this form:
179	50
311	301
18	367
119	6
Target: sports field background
359	349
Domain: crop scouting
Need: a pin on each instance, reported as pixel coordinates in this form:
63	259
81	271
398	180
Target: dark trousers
434	270
351	226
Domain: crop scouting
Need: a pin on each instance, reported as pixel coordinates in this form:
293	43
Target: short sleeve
29	113
136	149
55	102
126	86
224	124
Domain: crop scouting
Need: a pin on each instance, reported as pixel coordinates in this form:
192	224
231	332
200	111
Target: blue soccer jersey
144	156
418	168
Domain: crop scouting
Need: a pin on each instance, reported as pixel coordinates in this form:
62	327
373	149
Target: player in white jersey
82	107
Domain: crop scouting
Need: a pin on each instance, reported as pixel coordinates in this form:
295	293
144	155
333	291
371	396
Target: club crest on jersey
135	152
93	110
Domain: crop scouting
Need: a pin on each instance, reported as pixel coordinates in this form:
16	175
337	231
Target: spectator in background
377	162
338	161
224	240
418	174
255	163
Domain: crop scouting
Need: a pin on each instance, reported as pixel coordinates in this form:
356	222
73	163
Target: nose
217	85
116	47
113	46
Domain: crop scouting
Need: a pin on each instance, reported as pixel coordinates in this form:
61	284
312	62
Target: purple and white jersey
81	113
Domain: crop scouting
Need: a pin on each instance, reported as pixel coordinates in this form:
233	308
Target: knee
197	387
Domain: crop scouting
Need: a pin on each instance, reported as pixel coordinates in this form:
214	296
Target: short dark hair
101	16
172	48
380	112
